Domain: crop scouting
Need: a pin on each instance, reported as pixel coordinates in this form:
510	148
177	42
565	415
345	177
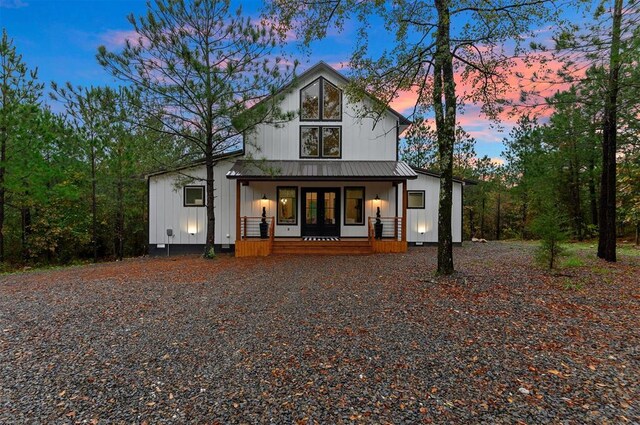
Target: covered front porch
254	244
315	210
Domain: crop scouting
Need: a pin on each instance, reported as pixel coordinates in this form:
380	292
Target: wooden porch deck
393	240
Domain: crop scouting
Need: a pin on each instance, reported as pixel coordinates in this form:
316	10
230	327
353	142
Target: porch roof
321	170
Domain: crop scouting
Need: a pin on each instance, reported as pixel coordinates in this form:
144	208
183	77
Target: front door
320	212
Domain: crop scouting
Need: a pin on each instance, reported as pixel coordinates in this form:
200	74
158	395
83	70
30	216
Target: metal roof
201	161
320	170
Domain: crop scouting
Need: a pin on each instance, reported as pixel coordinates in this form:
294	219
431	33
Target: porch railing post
395	228
405	199
238	231
245	227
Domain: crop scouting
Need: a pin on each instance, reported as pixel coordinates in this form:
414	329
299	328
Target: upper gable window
320	101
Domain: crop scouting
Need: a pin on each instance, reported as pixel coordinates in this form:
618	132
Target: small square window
194	196
415	199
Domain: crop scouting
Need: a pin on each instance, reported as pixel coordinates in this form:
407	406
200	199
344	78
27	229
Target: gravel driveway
371	339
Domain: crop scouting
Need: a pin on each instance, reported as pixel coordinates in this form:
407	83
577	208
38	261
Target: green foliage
548	226
573	261
209	253
420	149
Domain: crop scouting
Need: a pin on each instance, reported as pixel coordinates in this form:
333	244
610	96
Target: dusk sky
61	37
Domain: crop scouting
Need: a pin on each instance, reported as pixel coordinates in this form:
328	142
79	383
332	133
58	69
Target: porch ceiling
321	170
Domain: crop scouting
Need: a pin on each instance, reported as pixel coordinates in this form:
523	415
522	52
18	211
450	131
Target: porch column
404	210
237	210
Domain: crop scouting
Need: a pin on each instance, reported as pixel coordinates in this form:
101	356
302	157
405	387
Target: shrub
210	254
549	228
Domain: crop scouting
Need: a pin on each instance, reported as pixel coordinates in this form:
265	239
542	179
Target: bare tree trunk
211	219
25	216
472	224
593	203
94	207
482	218
607	239
120	220
498	225
444	84
3	158
525	205
574	197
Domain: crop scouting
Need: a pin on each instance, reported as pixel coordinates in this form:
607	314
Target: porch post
237	210
404	210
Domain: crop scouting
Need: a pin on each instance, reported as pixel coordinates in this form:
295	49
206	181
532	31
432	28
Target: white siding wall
167	210
422	224
360	140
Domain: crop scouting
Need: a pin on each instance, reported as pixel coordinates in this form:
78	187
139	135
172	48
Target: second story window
320	101
320	142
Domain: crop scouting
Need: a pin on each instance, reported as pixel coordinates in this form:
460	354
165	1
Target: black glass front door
320	212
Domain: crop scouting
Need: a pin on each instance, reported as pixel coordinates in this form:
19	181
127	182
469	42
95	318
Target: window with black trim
320	142
320	101
194	196
288	205
415	199
353	206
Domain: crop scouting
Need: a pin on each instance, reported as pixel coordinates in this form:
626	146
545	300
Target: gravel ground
371	339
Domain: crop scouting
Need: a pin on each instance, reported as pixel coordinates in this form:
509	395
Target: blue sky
61	37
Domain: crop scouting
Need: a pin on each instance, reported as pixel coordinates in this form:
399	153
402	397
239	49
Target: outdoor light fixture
193	227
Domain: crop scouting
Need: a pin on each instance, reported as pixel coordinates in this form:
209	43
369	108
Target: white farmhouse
318	183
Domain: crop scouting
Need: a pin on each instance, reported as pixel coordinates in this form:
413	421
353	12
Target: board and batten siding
251	197
361	139
167	210
422	224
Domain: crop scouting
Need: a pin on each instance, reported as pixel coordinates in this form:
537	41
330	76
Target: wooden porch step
322	247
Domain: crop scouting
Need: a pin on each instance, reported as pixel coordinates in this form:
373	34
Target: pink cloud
118	38
404	102
340	65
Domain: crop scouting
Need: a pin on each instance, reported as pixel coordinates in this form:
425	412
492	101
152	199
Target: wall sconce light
376	200
263	200
192	228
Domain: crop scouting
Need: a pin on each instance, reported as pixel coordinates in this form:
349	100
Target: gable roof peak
322	65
